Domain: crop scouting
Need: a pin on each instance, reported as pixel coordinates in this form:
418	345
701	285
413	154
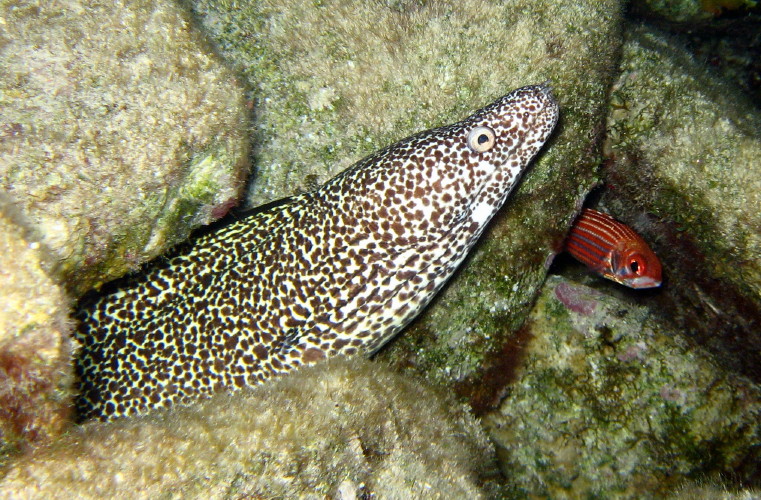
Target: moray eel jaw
336	271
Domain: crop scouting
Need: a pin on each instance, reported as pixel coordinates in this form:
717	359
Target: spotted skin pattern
339	270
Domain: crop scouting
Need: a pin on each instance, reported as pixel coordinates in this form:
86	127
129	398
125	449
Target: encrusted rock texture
335	81
615	402
342	429
35	347
121	130
685	154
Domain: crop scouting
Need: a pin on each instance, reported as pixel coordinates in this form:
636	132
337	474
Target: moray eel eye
481	139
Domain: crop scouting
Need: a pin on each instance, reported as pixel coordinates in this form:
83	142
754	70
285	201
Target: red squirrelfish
613	250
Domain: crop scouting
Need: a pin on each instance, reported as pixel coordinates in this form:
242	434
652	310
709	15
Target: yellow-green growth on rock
706	490
696	144
111	114
687	149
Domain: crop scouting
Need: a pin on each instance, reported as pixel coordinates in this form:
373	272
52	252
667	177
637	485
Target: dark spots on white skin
338	270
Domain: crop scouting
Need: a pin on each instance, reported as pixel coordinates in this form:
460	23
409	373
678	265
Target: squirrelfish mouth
643	282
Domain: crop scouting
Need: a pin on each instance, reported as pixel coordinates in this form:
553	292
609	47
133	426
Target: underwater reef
681	131
326	94
124	127
120	132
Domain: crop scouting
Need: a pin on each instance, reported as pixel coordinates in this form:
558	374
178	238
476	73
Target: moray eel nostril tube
339	270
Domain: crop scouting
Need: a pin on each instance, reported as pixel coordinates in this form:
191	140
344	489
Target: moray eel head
447	179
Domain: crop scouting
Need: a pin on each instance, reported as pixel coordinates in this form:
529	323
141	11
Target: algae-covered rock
733	51
335	81
35	349
686	149
611	402
120	130
726	34
338	430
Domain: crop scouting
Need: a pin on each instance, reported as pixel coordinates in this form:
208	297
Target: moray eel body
336	271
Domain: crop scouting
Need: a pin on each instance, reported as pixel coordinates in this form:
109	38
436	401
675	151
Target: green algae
679	11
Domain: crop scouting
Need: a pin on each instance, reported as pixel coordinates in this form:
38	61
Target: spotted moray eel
339	270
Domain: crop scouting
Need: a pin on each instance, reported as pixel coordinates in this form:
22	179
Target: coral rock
35	349
340	429
120	130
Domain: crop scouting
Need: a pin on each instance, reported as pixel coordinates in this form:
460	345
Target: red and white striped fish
613	250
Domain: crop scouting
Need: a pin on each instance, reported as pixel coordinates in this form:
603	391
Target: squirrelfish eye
481	139
637	265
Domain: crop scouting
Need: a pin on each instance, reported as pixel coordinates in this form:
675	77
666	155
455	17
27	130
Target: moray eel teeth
336	271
